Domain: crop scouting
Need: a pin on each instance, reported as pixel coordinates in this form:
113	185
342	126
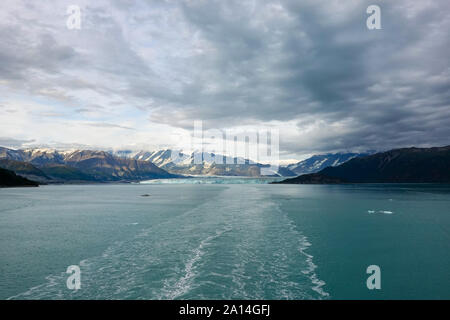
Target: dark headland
10	179
407	165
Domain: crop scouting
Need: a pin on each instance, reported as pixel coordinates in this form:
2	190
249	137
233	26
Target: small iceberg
379	211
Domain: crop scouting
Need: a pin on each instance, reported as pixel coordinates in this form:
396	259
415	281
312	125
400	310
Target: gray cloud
107	125
235	63
14	143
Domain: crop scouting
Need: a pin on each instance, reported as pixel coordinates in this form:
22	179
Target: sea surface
184	240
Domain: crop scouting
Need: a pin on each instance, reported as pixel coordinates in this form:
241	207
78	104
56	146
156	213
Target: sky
137	74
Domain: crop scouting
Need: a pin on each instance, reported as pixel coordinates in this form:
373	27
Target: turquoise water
225	241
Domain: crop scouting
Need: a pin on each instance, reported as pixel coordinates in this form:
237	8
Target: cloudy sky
139	73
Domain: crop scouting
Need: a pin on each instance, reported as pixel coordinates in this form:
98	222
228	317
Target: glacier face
214	180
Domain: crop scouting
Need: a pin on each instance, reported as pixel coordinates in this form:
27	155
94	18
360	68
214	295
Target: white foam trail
36	291
310	271
183	285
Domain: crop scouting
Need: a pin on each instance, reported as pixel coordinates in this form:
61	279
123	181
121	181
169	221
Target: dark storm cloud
391	85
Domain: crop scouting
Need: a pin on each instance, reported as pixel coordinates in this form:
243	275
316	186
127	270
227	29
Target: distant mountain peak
316	163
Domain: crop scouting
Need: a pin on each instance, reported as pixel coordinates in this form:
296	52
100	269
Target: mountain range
319	162
398	165
205	163
51	166
406	165
216	164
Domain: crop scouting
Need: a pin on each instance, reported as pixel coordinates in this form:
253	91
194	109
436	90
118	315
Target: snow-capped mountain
161	158
78	165
168	156
205	163
319	162
38	156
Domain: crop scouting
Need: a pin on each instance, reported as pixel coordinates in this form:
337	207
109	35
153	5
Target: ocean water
225	241
215	180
